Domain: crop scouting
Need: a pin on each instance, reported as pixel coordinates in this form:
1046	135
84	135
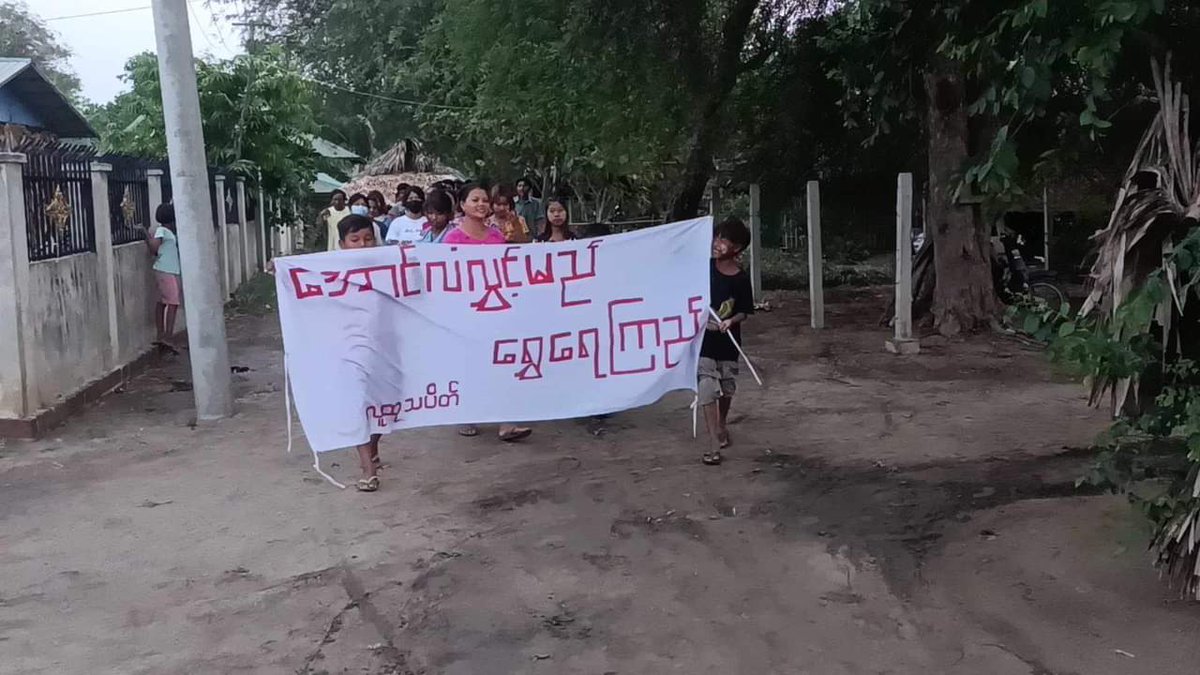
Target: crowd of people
453	212
472	214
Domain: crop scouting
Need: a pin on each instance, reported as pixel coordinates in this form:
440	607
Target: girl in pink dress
473	229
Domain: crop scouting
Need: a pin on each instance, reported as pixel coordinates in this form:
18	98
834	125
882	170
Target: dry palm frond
406	156
1160	189
387	183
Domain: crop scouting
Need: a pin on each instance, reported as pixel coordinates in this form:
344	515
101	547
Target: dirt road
877	515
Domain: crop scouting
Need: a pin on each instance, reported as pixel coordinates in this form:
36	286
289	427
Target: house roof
23	79
324	183
329	149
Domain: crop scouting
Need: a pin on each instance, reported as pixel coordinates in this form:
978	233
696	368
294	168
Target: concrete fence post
903	342
756	241
105	264
15	375
1047	226
260	261
295	230
154	192
218	188
816	258
247	269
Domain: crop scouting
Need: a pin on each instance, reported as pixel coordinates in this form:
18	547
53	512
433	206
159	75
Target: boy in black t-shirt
732	298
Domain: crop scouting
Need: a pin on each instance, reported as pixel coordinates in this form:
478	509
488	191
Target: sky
102	44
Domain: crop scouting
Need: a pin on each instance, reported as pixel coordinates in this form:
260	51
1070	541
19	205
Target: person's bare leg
365	462
168	335
712	421
160	319
375	450
725	403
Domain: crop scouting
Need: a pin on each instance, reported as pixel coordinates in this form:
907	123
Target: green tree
345	47
256	114
24	35
528	88
608	99
999	69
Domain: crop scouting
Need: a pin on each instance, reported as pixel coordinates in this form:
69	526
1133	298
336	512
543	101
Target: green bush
788	270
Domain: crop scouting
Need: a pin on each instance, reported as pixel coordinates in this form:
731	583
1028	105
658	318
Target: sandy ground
877	515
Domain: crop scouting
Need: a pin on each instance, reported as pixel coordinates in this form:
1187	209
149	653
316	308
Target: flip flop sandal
468	431
368	484
516	435
723	441
711	458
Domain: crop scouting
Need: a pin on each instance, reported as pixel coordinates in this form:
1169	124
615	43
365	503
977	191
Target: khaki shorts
717	379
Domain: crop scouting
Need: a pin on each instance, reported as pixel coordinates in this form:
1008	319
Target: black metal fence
59	217
214	196
168	193
59	210
128	198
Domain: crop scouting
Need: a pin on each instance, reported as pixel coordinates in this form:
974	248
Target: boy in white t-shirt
409	226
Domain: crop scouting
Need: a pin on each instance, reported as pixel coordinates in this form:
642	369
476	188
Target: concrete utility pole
203	305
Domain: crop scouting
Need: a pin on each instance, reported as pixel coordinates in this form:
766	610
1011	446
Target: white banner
418	335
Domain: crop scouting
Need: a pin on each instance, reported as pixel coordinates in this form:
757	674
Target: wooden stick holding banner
745	358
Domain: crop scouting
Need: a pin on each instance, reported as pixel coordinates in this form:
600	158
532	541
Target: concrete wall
136	295
69	323
76	321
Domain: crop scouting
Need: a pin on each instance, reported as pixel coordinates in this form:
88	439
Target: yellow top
335	217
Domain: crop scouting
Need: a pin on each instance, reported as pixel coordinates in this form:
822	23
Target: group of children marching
473	214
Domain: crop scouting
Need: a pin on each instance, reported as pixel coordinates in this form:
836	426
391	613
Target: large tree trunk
706	128
697	170
963	301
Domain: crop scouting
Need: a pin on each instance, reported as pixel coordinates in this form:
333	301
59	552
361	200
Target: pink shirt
457	236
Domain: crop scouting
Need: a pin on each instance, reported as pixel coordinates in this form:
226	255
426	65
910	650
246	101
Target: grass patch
256	297
788	270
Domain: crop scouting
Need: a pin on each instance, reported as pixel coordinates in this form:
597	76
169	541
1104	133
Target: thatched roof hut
404	162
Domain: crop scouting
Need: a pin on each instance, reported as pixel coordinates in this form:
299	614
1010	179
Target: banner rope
739	349
287	402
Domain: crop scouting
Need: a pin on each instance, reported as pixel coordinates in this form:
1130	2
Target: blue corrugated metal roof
22	79
10	67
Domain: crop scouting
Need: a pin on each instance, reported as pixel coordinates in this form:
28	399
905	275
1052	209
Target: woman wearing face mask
407	227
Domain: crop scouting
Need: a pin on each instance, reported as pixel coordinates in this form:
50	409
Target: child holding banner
732	299
358	231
